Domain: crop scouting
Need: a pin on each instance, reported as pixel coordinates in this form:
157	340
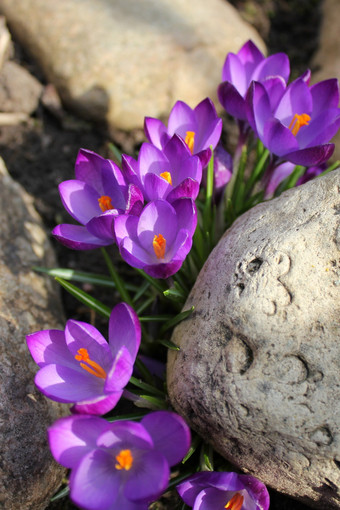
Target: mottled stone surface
28	302
19	90
258	369
120	60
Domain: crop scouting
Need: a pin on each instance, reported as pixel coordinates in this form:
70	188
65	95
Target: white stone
257	374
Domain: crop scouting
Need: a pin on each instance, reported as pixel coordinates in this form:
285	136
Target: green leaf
175	294
116	152
194	445
131	416
155	283
169	345
85	298
178	318
257	172
81	276
206	457
155	318
146	387
151	402
119	283
61	494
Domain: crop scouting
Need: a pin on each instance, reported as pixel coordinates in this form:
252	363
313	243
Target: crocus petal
125	226
209	125
192	486
64	384
274	65
325	95
257	490
231	100
134	254
311	156
186	212
156	132
134	200
278	138
89	168
49	346
100	406
121	371
258	108
279	174
156	187
188	188
102	226
132	435
78	237
251	57
234	72
151	160
83	335
148	479
176	150
275	87
158	217
205	156
212	498
297	99
181	119
320	129
93	483
130	169
170	434
80	200
163	270
73	437
124	329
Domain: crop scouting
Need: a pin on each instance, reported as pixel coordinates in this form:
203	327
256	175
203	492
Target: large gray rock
28	302
257	374
120	60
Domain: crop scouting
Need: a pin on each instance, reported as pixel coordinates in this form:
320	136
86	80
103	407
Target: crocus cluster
148	205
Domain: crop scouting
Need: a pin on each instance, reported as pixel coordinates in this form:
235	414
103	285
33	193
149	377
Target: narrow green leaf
257	172
144	305
330	168
142	289
131	416
85	298
178	318
151	402
82	276
178	479
146	387
290	180
175	294
155	283
169	345
61	494
155	318
194	445
116	152
206	457
119	283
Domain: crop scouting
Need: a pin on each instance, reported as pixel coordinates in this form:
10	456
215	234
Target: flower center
159	244
298	121
167	177
105	203
90	366
189	140
124	460
235	503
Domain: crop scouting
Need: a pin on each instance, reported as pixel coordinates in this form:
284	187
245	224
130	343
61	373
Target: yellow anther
166	176
105	203
190	140
97	370
298	121
159	244
235	503
124	460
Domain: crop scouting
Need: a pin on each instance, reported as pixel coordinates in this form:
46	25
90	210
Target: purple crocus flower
79	366
210	490
169	174
282	171
301	125
121	465
160	238
199	127
97	195
247	65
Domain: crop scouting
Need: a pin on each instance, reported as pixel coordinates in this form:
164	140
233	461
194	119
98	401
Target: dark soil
42	153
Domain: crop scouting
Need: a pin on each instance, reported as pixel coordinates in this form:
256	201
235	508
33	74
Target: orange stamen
96	369
159	244
124	460
298	121
167	177
190	140
235	503
105	203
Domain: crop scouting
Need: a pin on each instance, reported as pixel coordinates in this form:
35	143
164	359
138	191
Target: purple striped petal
251	57
124	329
321	129
156	132
71	438
297	99
209	125
312	156
231	100
181	119
93	483
156	187
158	217
77	237
100	406
258	108
121	371
325	94
102	226
49	346
79	200
274	65
234	72
278	138
187	189
163	270
170	434
149	479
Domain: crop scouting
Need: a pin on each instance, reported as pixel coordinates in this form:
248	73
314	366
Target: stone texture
28	302
19	90
327	58
122	60
257	374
